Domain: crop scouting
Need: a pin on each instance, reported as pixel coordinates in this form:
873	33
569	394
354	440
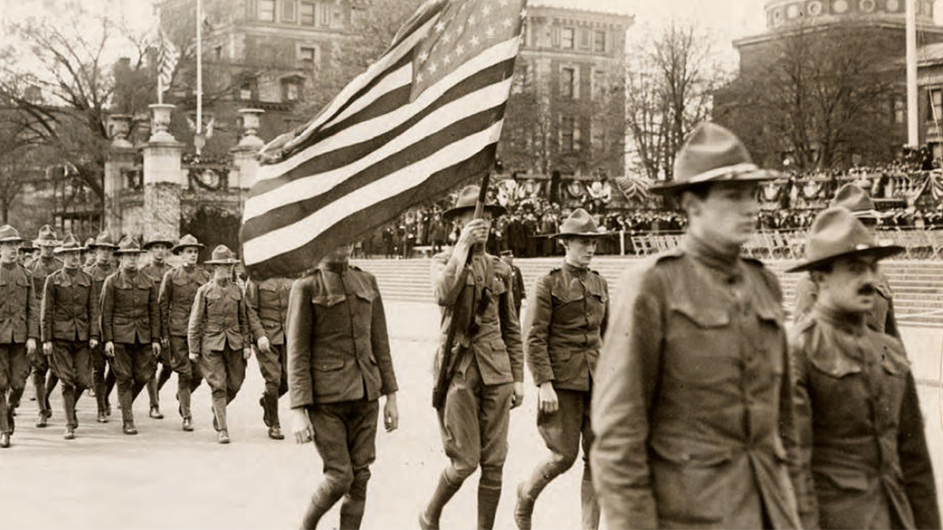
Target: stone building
879	25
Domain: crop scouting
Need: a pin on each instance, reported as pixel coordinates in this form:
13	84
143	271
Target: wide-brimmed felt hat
579	224
713	154
129	245
187	241
47	237
222	256
855	199
158	241
837	234
467	199
27	246
8	234
69	244
104	240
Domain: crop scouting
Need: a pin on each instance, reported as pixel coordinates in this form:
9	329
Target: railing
918	244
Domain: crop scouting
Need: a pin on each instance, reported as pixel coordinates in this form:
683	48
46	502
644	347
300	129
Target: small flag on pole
424	118
166	62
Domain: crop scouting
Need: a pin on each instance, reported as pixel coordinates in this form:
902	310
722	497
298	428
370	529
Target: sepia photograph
471	264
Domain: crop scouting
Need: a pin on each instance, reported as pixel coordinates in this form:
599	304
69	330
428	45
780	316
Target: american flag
422	119
166	62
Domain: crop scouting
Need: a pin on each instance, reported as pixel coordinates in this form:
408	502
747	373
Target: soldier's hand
518	398
391	413
110	349
30	346
47	348
301	426
155	348
476	231
93	343
247	352
165	343
195	357
265	345
547	398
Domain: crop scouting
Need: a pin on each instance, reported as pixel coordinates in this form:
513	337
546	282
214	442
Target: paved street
166	478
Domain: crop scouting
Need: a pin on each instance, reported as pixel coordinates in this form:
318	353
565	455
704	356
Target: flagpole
913	133
199	73
160	37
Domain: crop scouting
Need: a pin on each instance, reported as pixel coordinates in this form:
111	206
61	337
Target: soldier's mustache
868	290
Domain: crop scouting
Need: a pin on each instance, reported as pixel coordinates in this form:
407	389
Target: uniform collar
853	323
335	267
574	270
723	261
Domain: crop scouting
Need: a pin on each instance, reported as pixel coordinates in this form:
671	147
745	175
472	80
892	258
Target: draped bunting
634	188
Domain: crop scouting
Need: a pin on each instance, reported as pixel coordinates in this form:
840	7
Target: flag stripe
275	218
271	244
340	158
345	230
496	54
375	70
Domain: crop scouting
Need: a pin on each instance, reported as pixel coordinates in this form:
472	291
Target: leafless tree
670	84
819	98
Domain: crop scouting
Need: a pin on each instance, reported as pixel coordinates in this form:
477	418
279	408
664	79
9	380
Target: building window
308	57
568	83
218	52
936	105
567	126
325	10
900	110
525	33
599	85
291	90
307	13
247	88
599	41
584	38
288	10
567	36
338	20
599	140
357	15
267	10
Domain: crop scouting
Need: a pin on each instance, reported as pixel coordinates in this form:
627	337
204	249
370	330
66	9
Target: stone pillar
245	163
163	178
119	157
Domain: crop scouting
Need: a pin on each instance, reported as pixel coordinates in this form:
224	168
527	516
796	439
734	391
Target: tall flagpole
199	76
160	37
913	134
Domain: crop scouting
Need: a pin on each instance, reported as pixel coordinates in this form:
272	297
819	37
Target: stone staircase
917	285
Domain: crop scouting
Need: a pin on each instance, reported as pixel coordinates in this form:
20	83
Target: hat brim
46	243
221	262
880	252
71	249
495	209
93	246
149	244
177	248
755	175
12	240
588	235
129	251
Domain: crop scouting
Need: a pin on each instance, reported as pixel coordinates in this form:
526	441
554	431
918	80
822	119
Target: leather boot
266	417
4	440
487	506
590	506
527	493
352	513
319	505
68	404
429	518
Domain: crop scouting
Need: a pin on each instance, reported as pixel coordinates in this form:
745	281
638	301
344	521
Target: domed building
824	34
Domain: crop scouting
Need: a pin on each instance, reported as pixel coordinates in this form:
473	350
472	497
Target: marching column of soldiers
693	404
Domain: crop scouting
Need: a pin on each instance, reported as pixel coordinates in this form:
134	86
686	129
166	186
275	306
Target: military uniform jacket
130	313
517	286
218	318
19	308
863	448
496	346
338	347
880	319
268	308
565	324
69	307
177	291
691	404
41	269
157	272
98	274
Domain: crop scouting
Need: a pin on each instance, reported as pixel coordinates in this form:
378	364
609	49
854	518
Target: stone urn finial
119	129
250	127
160	123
